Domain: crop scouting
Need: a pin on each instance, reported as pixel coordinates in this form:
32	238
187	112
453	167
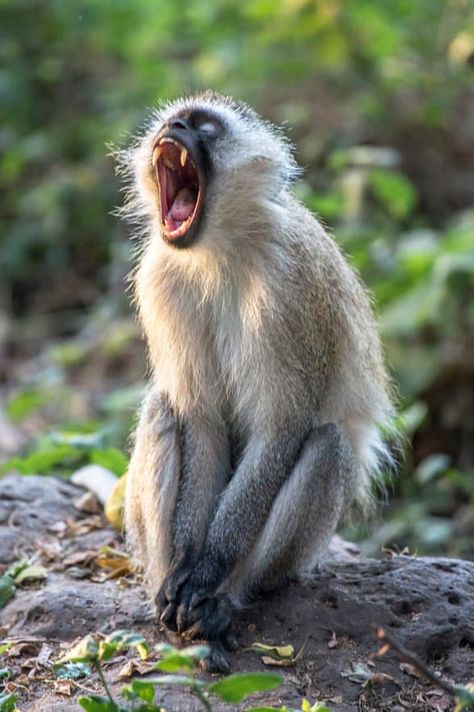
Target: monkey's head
203	165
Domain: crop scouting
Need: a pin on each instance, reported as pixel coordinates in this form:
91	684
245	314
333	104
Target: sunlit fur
262	317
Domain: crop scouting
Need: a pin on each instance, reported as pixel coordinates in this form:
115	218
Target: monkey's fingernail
156	155
196	599
167	613
184	156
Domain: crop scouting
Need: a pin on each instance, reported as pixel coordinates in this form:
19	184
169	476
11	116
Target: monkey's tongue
181	209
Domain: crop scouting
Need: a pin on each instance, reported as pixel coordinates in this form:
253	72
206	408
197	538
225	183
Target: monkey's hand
189	604
167	597
187	585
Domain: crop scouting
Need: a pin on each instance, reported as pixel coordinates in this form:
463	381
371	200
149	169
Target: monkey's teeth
184	156
156	155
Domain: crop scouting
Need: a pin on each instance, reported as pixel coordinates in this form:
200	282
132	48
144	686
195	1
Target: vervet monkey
268	391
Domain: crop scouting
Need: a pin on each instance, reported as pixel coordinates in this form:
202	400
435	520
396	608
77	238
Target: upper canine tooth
184	155
156	155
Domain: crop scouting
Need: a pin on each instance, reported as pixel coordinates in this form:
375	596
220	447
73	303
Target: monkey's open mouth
179	187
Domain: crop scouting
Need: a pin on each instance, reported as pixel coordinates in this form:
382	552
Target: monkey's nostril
178	124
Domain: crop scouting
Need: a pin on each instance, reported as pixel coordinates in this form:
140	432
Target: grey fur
269	390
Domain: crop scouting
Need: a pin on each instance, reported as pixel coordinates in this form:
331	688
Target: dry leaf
117	563
58	528
84	526
133	667
79	557
275	652
115	503
381	678
22	647
88	503
49	549
64	687
44	655
410	670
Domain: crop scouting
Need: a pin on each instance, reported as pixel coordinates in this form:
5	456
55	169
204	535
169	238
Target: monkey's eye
208	125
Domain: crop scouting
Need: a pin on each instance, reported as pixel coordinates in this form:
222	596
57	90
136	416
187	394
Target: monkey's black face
183	168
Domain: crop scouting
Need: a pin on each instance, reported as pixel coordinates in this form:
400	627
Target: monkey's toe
217	660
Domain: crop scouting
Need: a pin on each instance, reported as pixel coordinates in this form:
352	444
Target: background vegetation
378	96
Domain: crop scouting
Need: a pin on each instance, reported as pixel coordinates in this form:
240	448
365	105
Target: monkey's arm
276	488
203	473
167	510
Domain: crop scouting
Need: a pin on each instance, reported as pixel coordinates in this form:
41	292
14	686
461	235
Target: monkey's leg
151	488
274	521
204	471
176	471
304	515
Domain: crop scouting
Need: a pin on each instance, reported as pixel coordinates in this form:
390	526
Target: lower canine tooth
168	164
184	155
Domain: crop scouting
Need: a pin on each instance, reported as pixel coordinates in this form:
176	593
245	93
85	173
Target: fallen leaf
45	654
79	557
133	667
275	652
116	562
64	687
84	526
114	504
358	672
381	678
34	572
410	670
88	503
58	528
21	647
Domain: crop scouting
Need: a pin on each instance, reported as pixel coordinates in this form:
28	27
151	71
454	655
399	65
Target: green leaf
5	646
394	190
95	703
178	680
185	659
86	650
71	671
236	688
7	590
34	572
139	689
8	703
111	458
40	461
24	403
4	673
120	640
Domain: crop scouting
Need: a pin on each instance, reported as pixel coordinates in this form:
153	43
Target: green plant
177	668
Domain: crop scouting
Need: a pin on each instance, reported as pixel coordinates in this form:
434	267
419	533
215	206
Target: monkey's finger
174	583
182	618
161	601
168	617
216	661
229	641
198	597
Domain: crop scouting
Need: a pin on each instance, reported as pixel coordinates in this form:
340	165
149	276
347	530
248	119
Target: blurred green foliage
378	97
